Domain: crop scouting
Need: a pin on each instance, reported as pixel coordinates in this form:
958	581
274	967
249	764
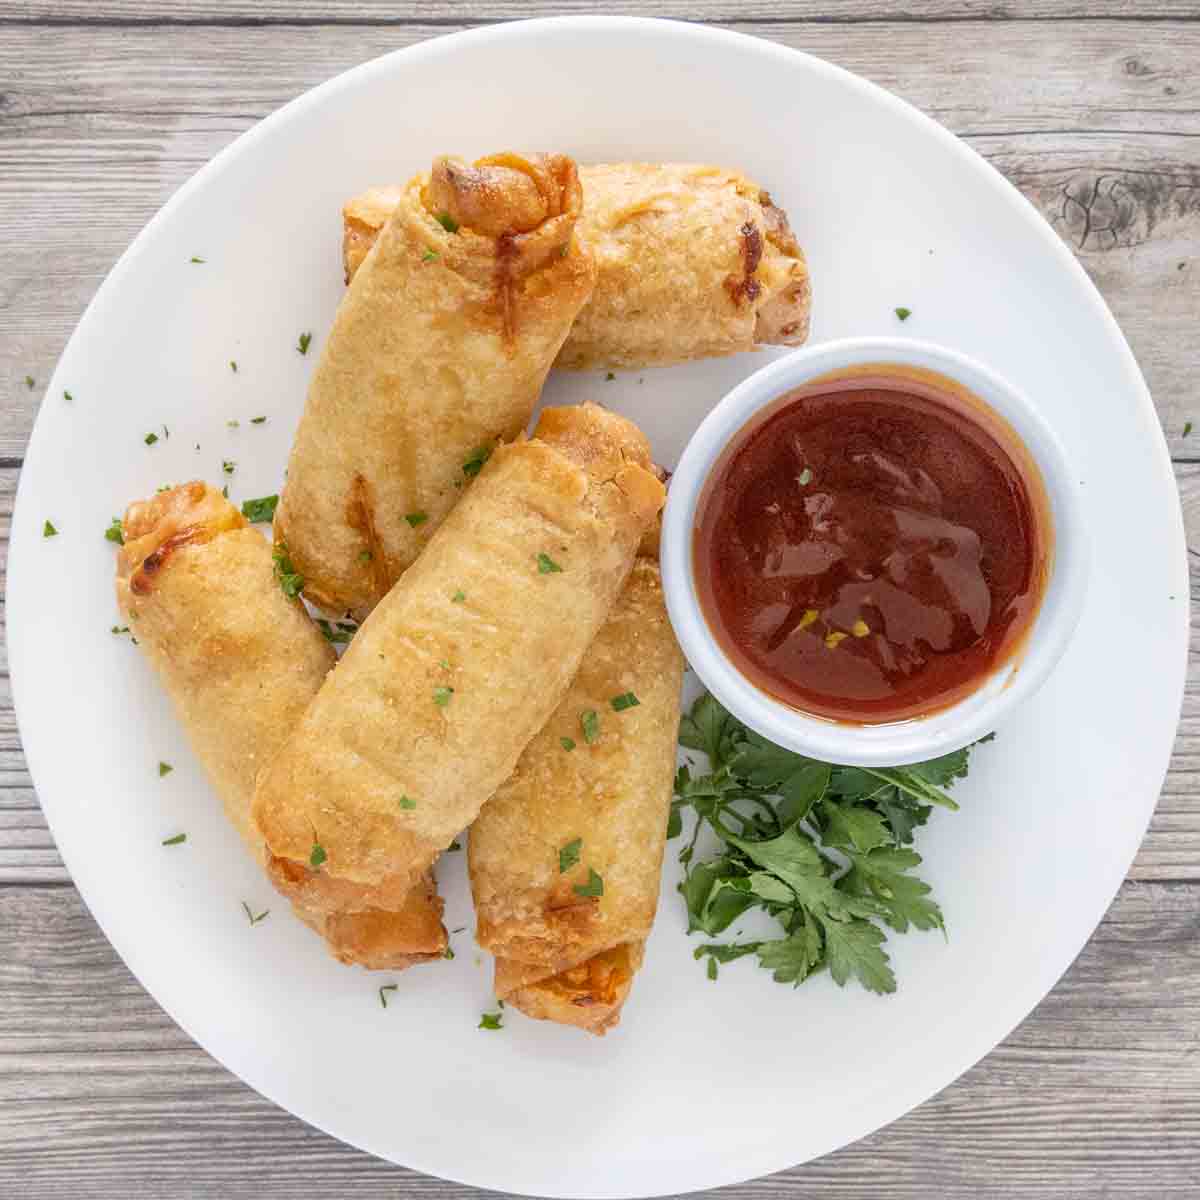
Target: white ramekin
903	741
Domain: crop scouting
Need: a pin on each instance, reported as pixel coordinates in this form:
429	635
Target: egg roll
241	662
439	349
576	811
463	661
693	261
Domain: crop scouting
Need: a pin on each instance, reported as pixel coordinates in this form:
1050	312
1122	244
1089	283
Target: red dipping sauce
873	546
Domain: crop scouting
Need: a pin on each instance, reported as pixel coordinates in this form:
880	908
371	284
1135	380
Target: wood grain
1091	107
1101	1081
88	123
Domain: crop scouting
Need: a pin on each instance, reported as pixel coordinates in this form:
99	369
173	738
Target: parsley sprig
825	850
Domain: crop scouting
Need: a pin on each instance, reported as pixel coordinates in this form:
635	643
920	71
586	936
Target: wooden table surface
1091	107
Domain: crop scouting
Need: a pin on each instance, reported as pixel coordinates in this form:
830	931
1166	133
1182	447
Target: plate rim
1023	997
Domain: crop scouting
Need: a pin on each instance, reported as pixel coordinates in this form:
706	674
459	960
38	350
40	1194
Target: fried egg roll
693	261
463	661
440	348
241	662
576	812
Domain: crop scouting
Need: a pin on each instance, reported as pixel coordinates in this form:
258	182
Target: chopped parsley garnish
120	629
228	466
454	846
568	856
567	743
225	491
318	855
406	802
339	636
177	840
474	464
29	382
416	518
593	887
458	597
429	256
491	1021
67	396
441	696
233	365
805	477
254	920
824	850
1187	428
589	722
447	222
150	439
712	968
257	420
383	991
547	565
48	530
904	313
233	424
290	580
623	701
609	377
164	769
259	510
365	556
196	259
447	953
304	342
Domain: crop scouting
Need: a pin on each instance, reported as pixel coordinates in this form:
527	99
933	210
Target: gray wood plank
90	121
206	12
1097	1092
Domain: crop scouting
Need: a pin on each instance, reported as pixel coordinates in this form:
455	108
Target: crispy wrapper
464	660
439	349
560	955
693	261
241	662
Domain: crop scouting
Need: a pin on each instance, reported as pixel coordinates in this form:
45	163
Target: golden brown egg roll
439	349
464	659
241	662
693	261
573	811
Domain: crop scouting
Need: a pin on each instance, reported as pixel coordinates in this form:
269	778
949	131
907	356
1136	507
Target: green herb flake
458	597
290	580
904	313
339	636
609	377
491	1021
305	340
448	953
177	840
383	991
318	855
453	846
589	722
805	477
30	382
196	259
260	510
416	518
48	530
447	222
568	855
150	439
441	696
120	629
406	802
474	464
233	365
233	424
712	968
254	920
258	420
164	769
547	565
365	556
1187	428
593	887
567	743
228	466
68	397
429	256
623	701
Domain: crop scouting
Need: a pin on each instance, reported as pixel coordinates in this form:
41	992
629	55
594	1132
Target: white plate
892	210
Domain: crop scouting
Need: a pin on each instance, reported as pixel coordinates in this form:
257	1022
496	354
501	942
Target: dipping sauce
873	547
